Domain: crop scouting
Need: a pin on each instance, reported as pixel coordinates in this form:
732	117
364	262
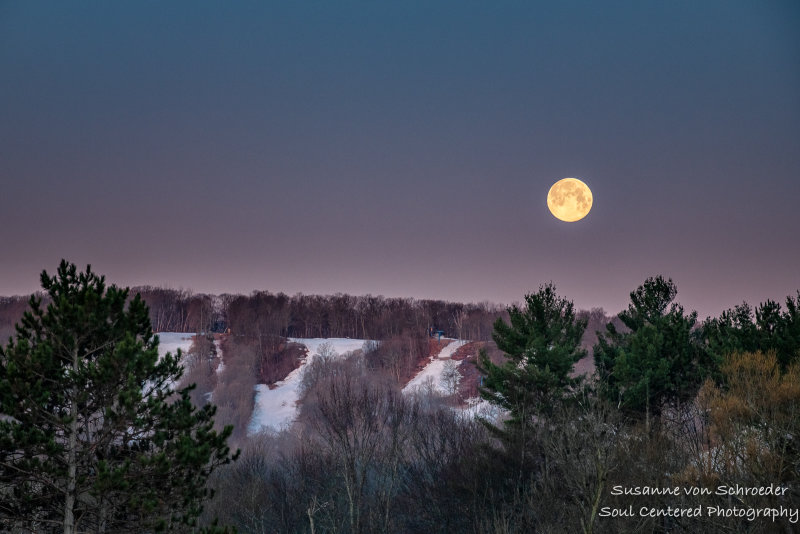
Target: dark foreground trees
659	359
92	436
542	344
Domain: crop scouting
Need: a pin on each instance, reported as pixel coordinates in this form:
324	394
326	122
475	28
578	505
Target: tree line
361	317
307	316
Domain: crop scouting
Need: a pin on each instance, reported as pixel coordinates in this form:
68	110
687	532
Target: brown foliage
400	356
200	368
278	360
362	317
234	395
467	355
174	310
755	419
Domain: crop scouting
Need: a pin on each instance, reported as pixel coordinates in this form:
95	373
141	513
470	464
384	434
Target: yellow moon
569	200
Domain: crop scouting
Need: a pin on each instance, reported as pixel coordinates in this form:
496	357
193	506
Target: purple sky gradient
404	149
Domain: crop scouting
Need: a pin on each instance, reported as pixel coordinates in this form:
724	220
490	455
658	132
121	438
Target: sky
404	148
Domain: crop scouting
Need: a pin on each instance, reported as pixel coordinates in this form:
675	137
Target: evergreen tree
93	437
659	359
541	344
765	329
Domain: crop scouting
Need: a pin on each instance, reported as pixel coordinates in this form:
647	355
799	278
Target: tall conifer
93	438
542	344
658	359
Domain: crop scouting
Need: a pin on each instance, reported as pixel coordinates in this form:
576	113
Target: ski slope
432	377
172	341
433	373
276	408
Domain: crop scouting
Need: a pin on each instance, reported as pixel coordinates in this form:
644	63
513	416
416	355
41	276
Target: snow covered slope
433	376
433	373
276	408
172	341
478	407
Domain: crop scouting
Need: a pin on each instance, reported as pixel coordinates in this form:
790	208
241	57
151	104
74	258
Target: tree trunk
351	502
601	478
72	445
103	519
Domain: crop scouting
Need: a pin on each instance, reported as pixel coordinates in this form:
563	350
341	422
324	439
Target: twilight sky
404	148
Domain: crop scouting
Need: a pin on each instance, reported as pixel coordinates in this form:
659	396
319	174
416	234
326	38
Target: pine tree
659	359
541	344
93	438
765	329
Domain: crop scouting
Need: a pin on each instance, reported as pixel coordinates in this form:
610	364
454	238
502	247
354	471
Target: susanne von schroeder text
736	490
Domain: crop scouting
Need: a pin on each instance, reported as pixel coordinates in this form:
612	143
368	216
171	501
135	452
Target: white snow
276	409
478	407
172	341
339	345
431	378
451	348
218	347
432	375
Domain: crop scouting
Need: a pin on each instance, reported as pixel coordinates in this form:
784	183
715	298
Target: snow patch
172	341
276	408
218	349
478	407
433	375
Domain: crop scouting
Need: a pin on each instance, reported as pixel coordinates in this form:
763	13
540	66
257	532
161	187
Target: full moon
569	199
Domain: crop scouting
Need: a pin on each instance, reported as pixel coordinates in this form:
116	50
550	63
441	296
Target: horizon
517	302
